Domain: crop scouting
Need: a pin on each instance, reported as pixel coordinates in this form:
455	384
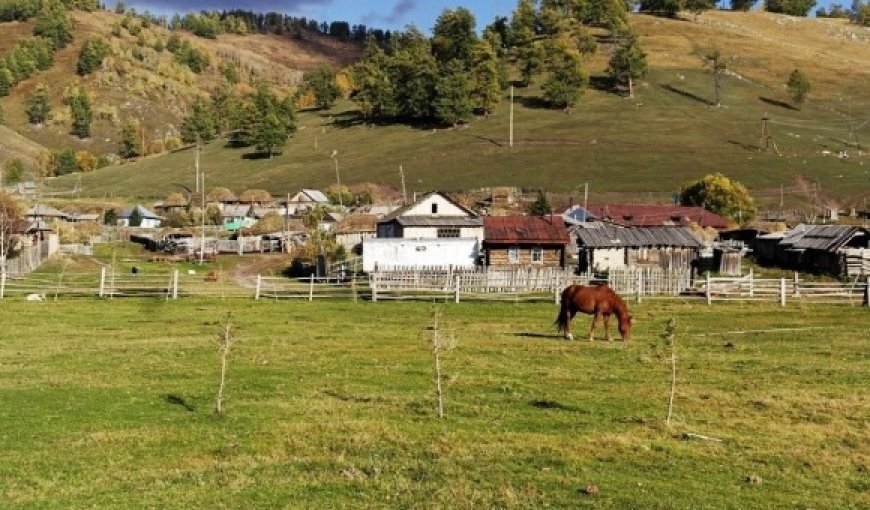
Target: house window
435	209
448	232
513	255
537	255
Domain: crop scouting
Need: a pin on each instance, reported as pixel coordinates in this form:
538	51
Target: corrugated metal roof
611	237
145	214
650	215
825	237
524	229
45	211
438	221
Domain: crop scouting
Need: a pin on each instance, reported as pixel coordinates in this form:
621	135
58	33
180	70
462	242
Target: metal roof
613	237
651	215
145	214
525	229
825	237
437	221
45	211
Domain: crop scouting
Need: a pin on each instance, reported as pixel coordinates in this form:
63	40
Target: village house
433	231
237	217
147	219
611	247
43	214
353	229
649	215
524	241
306	200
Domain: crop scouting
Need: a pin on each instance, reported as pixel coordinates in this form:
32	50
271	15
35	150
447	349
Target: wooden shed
610	247
515	241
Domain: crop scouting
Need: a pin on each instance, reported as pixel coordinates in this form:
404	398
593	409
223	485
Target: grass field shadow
179	401
686	94
539	335
776	102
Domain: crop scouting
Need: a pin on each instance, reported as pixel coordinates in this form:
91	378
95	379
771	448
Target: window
448	232
537	255
434	208
513	255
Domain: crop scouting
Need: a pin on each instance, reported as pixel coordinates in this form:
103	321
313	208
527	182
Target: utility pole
334	156
202	237
196	162
287	225
766	136
511	134
404	192
585	199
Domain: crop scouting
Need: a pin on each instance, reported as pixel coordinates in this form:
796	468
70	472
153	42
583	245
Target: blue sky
387	14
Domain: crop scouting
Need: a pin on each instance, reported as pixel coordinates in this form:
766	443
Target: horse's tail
564	312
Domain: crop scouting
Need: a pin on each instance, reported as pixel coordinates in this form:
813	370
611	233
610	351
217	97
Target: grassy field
641	149
330	405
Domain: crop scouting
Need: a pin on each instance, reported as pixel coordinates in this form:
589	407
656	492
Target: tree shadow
552	404
687	94
537	335
604	84
259	155
745	146
178	401
535	102
776	102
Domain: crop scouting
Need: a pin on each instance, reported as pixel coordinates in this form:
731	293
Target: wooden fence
784	290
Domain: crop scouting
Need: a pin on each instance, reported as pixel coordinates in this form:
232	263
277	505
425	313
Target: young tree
38	105
541	206
91	57
13	171
721	195
453	90
199	125
82	113
64	162
270	134
668	8
717	67
135	217
790	7
567	79
10	214
798	87
628	62
321	82
54	23
131	144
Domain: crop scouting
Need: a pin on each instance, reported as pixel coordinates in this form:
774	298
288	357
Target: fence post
373	283
866	292
175	285
311	288
259	287
2	282
751	283
456	286
782	292
353	287
797	290
102	281
639	286
707	290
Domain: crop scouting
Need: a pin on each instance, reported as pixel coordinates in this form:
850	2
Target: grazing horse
597	300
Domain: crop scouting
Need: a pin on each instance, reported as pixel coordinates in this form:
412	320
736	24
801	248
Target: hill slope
642	148
138	82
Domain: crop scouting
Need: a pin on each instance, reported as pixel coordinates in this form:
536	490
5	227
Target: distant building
646	215
306	200
525	241
840	250
147	218
611	247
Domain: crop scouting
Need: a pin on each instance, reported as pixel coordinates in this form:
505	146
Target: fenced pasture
331	405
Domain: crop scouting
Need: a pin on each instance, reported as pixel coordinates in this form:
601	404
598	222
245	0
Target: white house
306	200
434	231
147	218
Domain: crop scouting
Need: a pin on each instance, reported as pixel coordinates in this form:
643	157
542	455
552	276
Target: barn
524	241
611	247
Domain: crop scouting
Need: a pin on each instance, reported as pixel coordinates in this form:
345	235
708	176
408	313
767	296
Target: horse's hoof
569	336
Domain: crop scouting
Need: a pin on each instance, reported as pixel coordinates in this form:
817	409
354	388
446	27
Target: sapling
224	341
440	342
670	336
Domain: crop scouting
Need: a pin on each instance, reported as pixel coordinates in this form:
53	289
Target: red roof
524	229
645	215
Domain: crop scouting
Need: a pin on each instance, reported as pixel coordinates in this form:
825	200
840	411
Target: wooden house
524	241
353	229
611	247
306	200
839	250
655	215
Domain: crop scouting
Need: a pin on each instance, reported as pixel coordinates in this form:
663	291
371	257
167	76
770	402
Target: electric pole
766	136
585	199
511	134
404	192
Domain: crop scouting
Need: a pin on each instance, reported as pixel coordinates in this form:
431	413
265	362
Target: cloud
396	15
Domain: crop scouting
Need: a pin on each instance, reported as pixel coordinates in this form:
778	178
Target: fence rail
430	285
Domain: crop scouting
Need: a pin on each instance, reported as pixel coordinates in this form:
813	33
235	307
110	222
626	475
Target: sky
385	14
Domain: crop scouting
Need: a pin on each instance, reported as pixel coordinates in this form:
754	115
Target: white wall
445	208
430	232
610	258
384	253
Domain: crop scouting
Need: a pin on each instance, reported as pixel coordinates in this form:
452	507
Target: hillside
138	82
637	149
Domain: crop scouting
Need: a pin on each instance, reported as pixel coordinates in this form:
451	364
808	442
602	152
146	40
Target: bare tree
717	67
440	342
669	336
224	340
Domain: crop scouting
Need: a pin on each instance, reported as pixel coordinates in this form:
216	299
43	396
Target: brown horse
597	300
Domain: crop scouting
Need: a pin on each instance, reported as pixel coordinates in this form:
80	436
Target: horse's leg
568	334
594	323
607	326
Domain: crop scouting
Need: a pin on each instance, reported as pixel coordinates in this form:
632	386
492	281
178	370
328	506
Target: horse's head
625	327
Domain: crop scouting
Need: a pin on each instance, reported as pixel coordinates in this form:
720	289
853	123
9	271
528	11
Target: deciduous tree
798	87
38	105
721	195
628	62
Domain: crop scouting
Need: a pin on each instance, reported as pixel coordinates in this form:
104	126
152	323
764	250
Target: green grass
330	405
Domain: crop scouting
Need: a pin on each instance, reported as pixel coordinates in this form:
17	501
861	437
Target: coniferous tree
54	23
82	113
453	89
453	36
321	82
798	86
541	206
199	125
567	79
485	78
270	134
38	106
131	144
628	62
